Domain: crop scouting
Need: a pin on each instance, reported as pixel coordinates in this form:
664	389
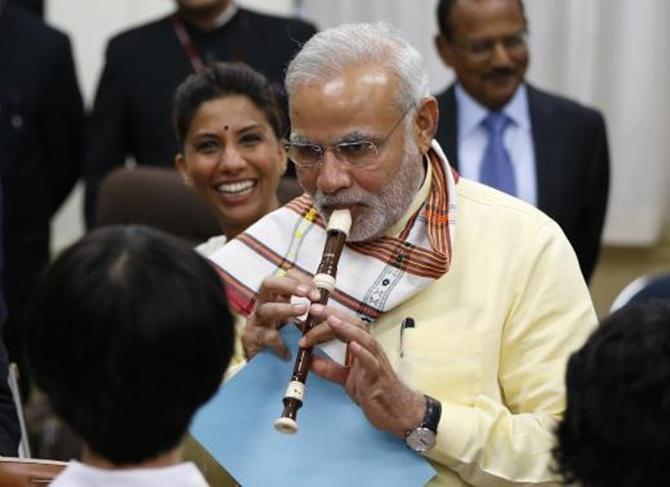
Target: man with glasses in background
459	304
497	129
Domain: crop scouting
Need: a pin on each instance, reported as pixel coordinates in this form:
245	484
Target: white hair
328	53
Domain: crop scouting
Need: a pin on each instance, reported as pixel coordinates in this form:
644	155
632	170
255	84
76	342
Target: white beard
379	210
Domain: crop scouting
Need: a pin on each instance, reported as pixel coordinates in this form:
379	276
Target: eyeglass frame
335	148
484	48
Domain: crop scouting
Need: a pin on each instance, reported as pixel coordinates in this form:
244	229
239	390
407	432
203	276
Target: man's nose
333	174
500	55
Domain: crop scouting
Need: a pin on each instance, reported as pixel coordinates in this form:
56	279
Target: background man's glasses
356	154
484	48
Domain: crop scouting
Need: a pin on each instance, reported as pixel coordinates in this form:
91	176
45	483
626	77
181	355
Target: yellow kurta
491	341
492	338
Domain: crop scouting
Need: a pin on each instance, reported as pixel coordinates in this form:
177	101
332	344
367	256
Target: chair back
13	380
157	197
643	289
28	472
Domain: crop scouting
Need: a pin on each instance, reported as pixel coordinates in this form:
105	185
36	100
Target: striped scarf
373	277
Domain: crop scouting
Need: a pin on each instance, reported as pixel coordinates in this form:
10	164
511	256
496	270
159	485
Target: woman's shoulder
212	245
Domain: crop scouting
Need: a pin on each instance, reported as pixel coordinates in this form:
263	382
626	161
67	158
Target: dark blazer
41	128
572	164
133	105
9	421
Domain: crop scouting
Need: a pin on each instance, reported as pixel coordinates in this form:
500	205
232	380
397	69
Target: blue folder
335	446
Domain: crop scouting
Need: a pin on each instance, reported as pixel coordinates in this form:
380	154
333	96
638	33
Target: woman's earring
187	181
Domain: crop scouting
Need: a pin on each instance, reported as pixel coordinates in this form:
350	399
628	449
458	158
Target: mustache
500	72
342	198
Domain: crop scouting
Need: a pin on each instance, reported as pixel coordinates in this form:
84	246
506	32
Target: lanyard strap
187	44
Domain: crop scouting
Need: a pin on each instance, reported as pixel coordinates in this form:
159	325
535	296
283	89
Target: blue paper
335	446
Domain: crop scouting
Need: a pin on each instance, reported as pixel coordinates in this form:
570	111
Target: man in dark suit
34	6
41	125
132	113
9	422
556	149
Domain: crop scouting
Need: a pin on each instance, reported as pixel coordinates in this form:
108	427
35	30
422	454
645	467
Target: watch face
421	439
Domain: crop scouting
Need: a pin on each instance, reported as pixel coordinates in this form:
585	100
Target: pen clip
406	323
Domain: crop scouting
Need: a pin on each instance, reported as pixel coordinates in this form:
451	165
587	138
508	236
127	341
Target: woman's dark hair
128	334
616	428
219	80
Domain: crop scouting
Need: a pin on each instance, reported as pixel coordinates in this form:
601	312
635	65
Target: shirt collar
185	473
226	15
471	113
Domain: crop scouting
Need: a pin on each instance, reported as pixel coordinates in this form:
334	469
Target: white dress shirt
518	140
78	474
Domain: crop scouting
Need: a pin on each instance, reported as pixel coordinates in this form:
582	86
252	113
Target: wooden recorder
337	232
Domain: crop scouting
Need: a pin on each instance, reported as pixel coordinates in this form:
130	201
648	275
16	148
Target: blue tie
496	169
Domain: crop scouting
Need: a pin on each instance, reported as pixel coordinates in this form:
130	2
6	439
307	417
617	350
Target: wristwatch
422	438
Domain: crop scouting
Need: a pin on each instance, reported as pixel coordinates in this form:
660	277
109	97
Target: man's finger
319	334
329	370
273	312
304	280
323	312
253	338
347	332
274	286
322	332
274	341
362	358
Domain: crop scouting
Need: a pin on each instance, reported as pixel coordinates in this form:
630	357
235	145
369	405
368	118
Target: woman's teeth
236	187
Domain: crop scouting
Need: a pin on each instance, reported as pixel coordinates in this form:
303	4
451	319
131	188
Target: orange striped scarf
399	265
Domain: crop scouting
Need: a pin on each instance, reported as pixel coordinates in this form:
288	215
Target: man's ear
426	119
283	158
443	49
182	167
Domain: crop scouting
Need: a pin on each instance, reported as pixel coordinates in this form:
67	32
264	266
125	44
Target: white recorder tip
286	426
340	220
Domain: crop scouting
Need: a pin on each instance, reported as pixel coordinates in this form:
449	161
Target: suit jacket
572	164
9	422
132	114
41	128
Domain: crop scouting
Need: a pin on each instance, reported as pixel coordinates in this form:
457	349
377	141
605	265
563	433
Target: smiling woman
229	127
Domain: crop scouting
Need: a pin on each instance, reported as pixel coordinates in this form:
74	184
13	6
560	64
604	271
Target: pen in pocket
406	323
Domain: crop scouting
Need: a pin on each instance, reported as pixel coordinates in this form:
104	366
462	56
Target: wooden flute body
337	232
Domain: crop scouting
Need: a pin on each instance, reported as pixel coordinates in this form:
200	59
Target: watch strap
433	413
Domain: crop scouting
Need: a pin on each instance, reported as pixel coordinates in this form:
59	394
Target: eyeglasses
356	154
484	48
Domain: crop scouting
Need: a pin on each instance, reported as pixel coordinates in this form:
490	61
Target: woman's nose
232	159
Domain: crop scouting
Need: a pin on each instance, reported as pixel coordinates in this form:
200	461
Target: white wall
616	56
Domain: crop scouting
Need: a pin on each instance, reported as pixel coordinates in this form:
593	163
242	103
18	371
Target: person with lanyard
500	130
459	304
132	111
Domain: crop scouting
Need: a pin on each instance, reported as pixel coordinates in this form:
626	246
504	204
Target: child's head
616	429
129	333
